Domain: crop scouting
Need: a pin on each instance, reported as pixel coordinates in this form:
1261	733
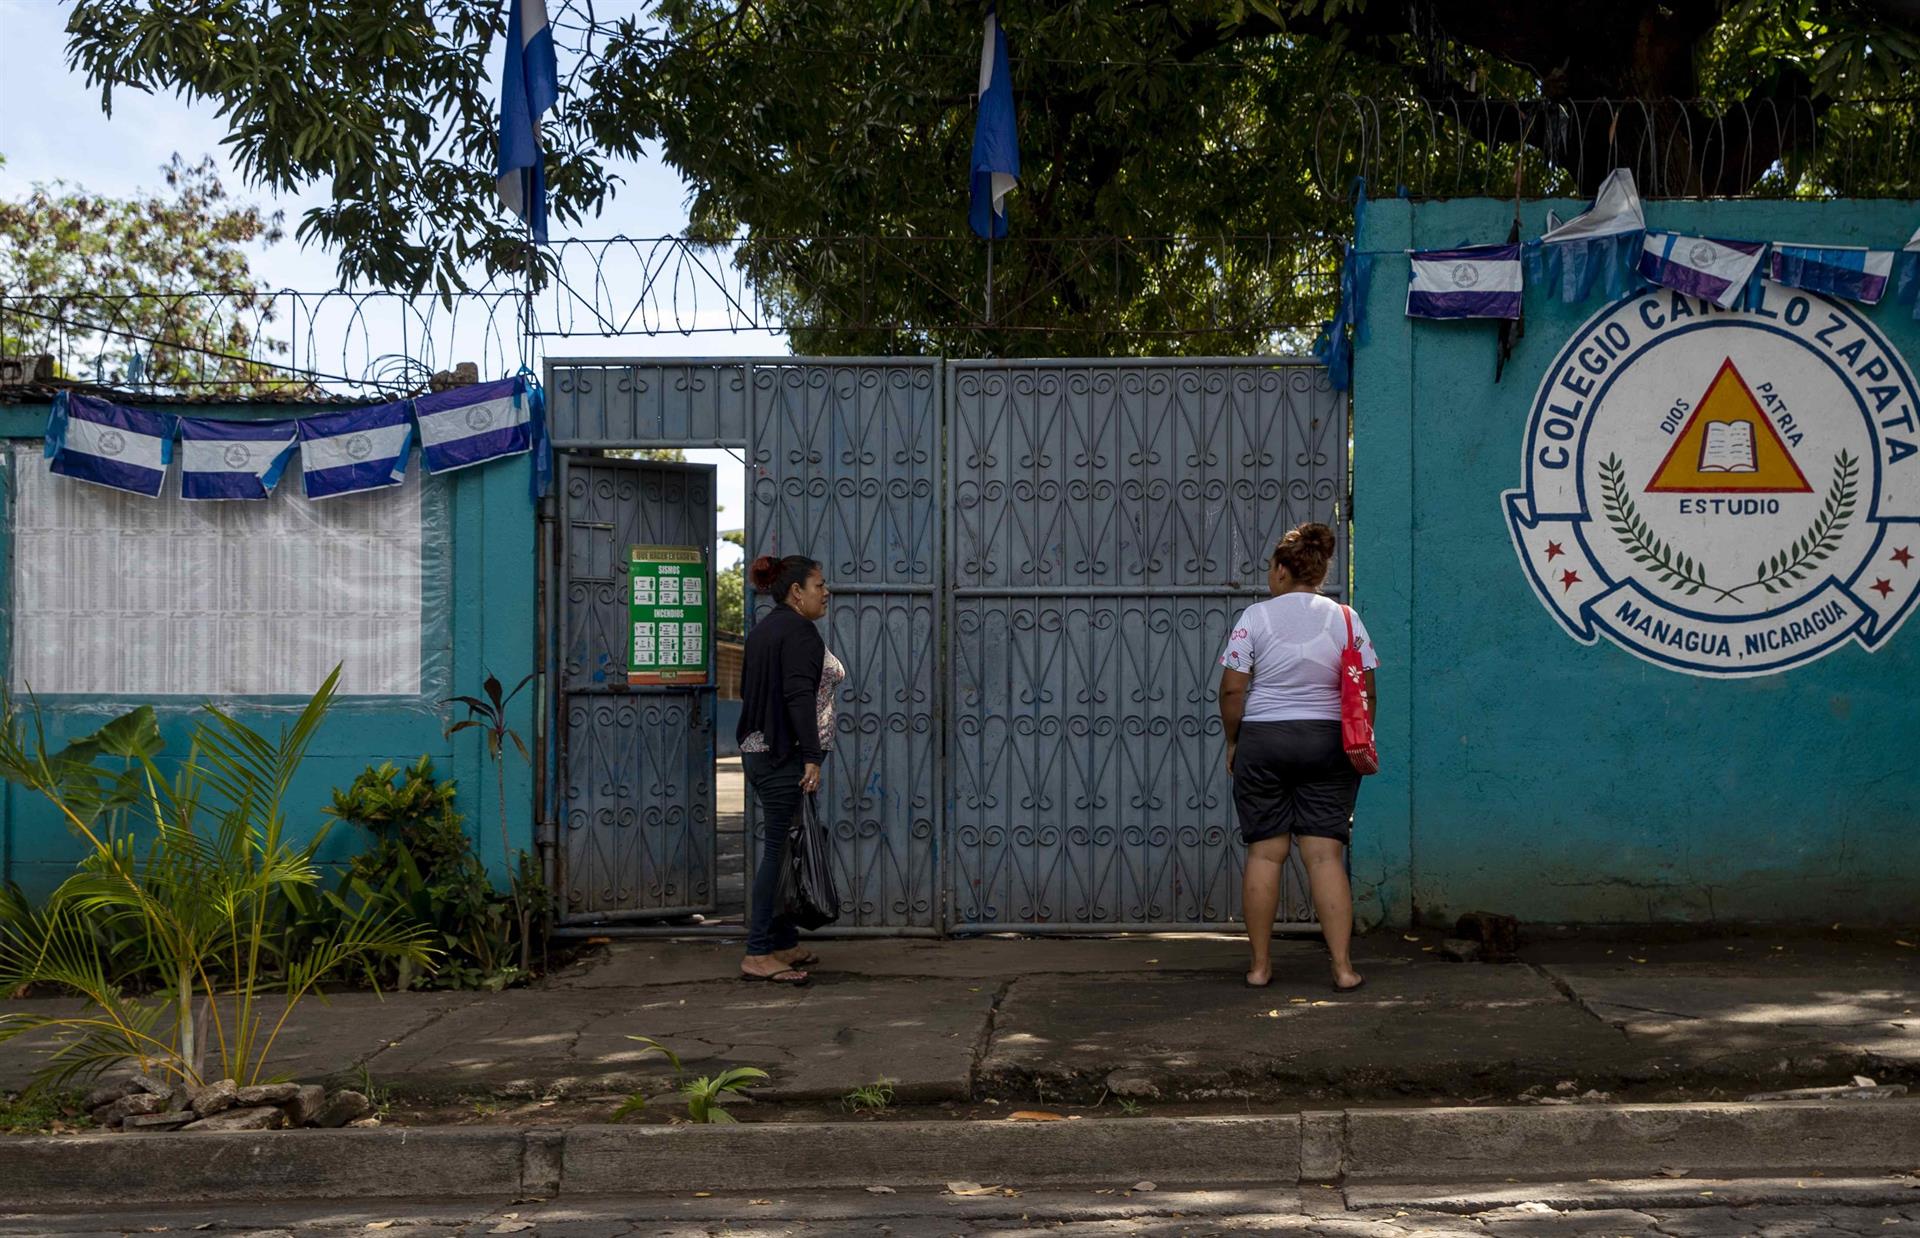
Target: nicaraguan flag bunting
1604	240
359	449
996	146
1854	274
109	444
1906	266
1481	281
474	424
529	85
1333	346
1716	271
234	459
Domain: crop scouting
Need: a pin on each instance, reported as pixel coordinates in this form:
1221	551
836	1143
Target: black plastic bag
809	894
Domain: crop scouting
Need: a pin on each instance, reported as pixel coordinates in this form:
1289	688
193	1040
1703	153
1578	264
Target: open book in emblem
1727	447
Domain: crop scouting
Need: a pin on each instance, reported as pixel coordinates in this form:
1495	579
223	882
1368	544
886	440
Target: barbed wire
389	344
1676	148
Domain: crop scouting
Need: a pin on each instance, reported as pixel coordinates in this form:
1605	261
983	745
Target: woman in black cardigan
786	727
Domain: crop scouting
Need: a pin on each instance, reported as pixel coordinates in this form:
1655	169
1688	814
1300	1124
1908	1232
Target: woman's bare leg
1332	902
1259	899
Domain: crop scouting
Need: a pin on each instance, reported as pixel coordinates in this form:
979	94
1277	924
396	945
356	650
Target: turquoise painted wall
490	627
1526	773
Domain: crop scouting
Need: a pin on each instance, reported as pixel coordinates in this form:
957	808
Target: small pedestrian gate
1034	567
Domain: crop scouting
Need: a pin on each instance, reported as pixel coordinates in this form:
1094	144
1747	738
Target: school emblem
1724	492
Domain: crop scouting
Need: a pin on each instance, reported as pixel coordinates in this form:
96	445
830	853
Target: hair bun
763	572
1317	538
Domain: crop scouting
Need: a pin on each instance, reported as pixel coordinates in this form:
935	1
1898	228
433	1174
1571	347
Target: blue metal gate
844	465
1034	565
1109	520
634	764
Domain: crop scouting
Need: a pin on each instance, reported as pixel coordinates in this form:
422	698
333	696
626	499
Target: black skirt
1293	778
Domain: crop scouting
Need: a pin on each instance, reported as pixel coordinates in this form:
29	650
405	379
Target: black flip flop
800	981
1351	988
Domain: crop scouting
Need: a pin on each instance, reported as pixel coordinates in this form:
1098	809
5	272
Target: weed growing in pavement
379	1095
873	1097
1130	1108
37	1113
704	1096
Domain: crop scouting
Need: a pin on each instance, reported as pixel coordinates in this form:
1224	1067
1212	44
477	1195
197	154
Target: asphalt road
1067	1214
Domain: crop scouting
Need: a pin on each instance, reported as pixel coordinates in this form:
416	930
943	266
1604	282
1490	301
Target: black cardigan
780	684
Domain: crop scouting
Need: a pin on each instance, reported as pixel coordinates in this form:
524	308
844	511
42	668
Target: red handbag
1356	724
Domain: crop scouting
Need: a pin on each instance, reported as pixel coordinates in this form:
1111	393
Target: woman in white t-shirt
1280	708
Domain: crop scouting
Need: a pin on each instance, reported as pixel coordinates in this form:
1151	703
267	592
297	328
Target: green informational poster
672	638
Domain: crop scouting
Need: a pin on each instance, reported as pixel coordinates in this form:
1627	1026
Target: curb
1360	1148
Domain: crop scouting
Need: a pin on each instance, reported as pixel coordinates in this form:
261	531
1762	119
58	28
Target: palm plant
489	716
706	1095
201	897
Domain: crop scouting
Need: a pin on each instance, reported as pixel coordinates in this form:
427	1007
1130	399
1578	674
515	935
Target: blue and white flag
474	424
359	449
1716	271
1855	274
995	167
109	444
1481	281
529	84
234	459
1603	240
1906	278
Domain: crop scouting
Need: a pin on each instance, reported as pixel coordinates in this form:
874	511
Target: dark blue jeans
776	785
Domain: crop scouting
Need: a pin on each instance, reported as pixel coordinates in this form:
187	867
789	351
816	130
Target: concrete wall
1527	773
491	628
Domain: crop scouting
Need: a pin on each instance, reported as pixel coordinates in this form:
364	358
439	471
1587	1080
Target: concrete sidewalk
1161	1020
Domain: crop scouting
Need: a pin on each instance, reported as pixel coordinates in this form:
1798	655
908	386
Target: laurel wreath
1683	573
1791	565
1648	549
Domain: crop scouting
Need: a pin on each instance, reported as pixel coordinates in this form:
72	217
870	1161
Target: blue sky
52	129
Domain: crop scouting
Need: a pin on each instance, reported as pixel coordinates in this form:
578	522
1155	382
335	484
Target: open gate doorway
1034	565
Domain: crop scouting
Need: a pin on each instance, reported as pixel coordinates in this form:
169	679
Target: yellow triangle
1728	445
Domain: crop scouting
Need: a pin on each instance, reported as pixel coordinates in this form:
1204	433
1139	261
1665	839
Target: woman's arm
1373	701
1233	705
801	656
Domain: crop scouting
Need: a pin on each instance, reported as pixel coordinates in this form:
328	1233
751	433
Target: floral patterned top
832	673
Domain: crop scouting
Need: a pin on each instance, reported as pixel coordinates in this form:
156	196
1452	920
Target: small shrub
422	865
36	1113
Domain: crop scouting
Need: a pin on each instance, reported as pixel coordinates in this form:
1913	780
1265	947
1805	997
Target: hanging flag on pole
1716	271
996	146
1480	281
359	449
529	84
474	424
234	459
1855	274
109	444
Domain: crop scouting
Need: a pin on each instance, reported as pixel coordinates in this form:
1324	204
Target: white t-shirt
1291	645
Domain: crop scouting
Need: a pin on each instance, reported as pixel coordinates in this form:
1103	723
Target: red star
1901	556
1568	579
1883	587
1554	551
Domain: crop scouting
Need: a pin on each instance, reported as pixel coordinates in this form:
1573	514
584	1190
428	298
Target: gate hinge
546	834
